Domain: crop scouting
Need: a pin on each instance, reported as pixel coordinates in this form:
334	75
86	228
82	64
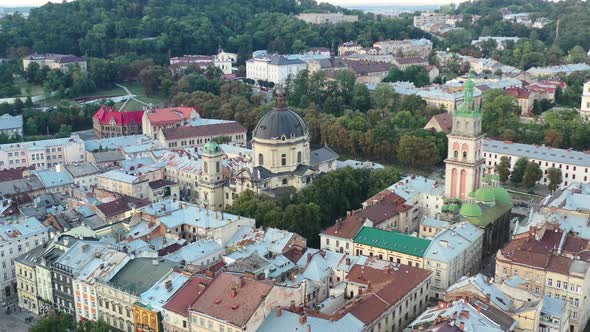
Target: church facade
281	161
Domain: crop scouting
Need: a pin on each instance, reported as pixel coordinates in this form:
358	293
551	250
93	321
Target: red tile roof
216	129
382	211
347	228
170	115
121	205
187	295
389	287
445	121
218	302
106	113
519	93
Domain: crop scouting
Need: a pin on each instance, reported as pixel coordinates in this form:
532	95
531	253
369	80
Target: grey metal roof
279	122
538	152
322	155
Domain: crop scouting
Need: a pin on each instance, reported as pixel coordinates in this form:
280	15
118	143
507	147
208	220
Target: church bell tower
465	162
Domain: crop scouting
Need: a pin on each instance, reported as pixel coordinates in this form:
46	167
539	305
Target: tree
417	151
151	78
503	169
518	171
532	174
383	95
554	176
415	74
55	322
576	55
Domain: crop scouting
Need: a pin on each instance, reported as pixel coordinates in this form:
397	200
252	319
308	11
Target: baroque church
281	160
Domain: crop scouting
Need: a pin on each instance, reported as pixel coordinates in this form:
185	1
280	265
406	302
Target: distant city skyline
27	3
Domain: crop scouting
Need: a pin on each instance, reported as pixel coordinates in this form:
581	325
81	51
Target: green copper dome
485	195
470	210
502	195
211	148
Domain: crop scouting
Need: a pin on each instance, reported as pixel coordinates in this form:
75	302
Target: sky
25	3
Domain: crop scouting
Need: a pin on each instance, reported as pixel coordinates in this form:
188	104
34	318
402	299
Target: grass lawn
137	90
112	91
28	89
132	105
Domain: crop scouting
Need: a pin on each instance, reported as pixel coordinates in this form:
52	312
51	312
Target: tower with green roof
465	162
211	180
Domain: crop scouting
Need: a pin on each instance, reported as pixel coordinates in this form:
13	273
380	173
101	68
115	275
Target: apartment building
118	295
104	265
273	68
42	154
11	126
407	47
573	164
156	119
176	315
192	136
327	18
234	302
63	62
16	238
125	184
67	268
84	174
454	251
546	260
223	61
391	246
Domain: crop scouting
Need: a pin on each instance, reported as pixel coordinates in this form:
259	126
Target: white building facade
42	154
17	238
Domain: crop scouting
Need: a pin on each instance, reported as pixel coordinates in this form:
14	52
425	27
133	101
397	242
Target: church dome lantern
280	123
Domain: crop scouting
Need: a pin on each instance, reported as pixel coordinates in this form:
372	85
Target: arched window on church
456	154
283	160
299	157
206	167
260	159
217	167
464	155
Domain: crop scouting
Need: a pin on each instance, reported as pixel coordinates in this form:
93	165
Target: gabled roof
120	205
106	114
393	241
170	115
216	129
218	302
187	295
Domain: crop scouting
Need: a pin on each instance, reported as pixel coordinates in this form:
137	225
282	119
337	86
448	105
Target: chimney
479	308
462	326
322	252
242	282
234	292
302	319
309	257
279	311
308	328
